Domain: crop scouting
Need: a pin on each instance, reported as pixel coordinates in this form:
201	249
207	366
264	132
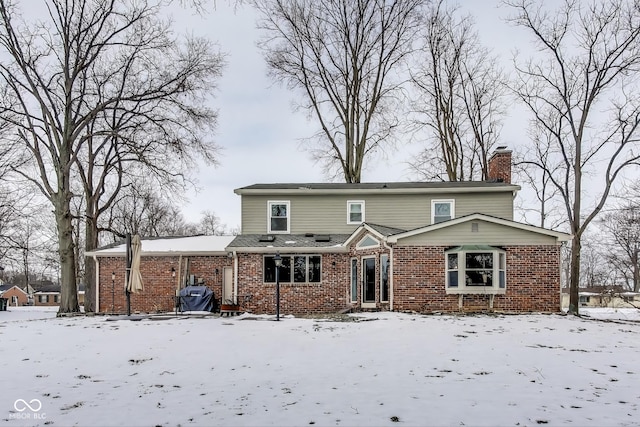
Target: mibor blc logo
28	410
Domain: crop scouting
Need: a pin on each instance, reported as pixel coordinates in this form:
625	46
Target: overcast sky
261	133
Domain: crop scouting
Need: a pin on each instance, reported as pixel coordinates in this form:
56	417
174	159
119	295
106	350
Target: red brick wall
159	286
418	280
533	281
500	166
330	295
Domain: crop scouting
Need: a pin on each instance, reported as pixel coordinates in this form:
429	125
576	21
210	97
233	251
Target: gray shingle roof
287	241
384	230
374	185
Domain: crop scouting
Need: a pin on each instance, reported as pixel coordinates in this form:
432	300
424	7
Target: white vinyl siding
326	213
487	233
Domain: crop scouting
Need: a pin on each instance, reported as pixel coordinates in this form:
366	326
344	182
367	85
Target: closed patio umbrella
135	277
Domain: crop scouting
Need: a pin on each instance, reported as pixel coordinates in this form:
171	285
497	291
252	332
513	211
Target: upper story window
278	216
473	270
355	211
442	210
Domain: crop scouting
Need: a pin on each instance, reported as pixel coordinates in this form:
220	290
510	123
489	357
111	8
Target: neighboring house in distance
412	246
15	296
606	297
45	293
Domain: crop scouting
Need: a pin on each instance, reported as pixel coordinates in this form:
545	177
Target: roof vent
323	238
267	238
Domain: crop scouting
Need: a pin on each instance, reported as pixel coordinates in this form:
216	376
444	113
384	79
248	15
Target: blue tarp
196	298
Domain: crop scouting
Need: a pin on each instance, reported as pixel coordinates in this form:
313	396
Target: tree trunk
68	287
636	271
91	243
575	274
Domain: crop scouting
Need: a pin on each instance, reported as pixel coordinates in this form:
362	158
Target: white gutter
97	283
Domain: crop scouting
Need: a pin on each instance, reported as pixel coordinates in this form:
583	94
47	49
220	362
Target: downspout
235	277
390	274
560	272
97	282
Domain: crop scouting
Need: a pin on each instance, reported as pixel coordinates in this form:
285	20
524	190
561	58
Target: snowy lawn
386	369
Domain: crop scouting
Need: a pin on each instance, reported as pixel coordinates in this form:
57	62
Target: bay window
475	269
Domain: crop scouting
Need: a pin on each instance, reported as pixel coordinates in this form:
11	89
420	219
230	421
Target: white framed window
278	216
384	278
354	280
294	269
355	211
367	242
475	269
442	210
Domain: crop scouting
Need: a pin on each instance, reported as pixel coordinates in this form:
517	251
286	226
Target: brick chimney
500	165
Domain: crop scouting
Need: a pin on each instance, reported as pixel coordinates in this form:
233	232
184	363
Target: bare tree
623	227
587	62
140	209
89	63
547	208
459	98
345	57
164	136
210	224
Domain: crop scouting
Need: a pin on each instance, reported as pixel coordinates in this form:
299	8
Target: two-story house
413	246
418	246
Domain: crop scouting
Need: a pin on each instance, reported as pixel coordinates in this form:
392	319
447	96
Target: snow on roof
172	245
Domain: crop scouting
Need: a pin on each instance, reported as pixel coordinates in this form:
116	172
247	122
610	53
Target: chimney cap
501	148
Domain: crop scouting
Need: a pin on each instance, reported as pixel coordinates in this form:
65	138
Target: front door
368	282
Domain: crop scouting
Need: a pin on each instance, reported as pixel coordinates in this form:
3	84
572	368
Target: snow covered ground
385	369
